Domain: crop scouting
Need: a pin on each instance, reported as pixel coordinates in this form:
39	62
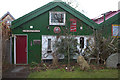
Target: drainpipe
104	22
104	18
10	49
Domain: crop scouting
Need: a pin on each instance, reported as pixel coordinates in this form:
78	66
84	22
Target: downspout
103	23
10	45
10	49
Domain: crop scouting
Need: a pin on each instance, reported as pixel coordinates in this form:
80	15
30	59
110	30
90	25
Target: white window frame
57	23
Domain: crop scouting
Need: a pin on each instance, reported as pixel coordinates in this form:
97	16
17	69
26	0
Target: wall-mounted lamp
81	27
31	27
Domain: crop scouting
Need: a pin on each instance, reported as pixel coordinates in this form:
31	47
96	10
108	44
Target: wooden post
0	52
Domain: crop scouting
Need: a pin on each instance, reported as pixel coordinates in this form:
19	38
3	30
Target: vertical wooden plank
11	50
0	52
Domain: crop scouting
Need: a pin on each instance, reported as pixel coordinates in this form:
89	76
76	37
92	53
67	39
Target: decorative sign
36	42
115	30
57	30
31	30
73	25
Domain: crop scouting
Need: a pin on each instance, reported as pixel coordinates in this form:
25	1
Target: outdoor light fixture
81	27
31	27
66	68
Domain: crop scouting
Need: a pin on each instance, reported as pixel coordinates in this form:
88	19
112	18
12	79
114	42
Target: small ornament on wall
31	43
57	30
73	25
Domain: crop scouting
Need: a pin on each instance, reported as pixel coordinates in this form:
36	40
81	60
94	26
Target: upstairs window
57	18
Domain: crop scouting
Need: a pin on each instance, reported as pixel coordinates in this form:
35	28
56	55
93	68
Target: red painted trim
112	30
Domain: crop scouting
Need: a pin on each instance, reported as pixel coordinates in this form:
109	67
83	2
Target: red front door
21	49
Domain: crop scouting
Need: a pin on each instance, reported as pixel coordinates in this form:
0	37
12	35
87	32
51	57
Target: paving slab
17	72
18	69
0	74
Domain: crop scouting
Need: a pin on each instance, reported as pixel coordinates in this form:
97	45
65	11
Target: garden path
17	72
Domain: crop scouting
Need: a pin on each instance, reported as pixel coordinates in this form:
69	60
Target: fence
6	50
0	52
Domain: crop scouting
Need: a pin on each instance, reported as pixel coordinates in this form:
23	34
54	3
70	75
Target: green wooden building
109	23
34	33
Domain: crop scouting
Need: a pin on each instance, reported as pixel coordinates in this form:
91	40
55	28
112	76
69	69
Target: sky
90	8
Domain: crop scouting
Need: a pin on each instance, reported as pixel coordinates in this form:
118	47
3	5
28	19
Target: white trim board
14	49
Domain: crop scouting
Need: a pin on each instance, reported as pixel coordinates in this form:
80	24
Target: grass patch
58	73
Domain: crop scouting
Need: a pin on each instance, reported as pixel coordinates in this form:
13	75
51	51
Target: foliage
89	50
6	32
102	47
33	64
105	46
73	3
63	44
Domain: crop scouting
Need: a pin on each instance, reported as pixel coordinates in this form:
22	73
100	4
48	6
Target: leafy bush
33	64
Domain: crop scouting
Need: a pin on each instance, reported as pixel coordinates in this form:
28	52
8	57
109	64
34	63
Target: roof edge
50	6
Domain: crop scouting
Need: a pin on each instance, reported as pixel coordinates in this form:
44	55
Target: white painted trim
14	49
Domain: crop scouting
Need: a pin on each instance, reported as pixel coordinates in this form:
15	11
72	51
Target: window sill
49	51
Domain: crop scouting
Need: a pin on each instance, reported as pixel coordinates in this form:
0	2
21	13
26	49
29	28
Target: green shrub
33	64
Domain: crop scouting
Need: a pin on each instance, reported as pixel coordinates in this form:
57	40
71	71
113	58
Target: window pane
115	30
81	42
87	42
118	30
49	44
75	44
57	17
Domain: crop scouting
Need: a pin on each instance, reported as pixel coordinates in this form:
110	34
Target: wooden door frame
15	47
